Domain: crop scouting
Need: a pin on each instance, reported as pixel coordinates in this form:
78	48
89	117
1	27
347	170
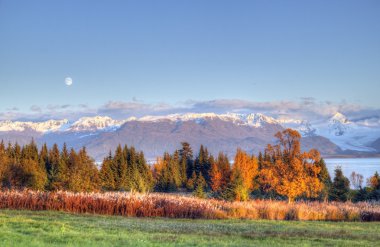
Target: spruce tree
340	187
235	190
186	160
107	174
324	176
200	185
122	182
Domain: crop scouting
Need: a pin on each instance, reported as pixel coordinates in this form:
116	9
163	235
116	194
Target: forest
282	172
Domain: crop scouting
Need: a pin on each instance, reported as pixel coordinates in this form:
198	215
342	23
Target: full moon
68	81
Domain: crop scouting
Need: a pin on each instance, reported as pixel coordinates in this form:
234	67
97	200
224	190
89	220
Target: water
364	166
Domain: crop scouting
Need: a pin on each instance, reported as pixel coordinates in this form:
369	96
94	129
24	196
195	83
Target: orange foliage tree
290	172
220	173
245	167
215	177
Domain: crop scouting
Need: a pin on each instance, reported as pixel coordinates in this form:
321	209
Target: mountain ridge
219	132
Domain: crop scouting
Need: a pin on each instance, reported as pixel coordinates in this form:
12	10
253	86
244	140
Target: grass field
46	228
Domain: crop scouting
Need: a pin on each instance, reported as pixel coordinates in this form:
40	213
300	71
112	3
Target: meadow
49	228
186	207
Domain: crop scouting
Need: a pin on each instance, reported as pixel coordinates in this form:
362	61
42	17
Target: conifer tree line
282	171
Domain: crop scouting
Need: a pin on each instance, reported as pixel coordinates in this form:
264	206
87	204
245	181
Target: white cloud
304	108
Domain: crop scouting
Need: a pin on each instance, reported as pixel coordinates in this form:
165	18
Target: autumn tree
3	162
245	167
190	184
374	186
215	177
248	167
374	181
288	171
32	168
20	168
224	168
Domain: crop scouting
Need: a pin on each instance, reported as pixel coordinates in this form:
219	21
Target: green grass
44	228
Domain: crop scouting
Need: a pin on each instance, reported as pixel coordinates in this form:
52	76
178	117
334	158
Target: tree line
281	172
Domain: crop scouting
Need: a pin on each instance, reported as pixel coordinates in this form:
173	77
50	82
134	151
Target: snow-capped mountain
339	124
219	132
347	134
46	126
96	123
306	129
253	119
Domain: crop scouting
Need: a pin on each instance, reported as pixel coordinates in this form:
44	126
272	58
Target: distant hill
157	134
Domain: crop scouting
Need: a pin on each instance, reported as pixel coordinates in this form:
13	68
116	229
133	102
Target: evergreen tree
107	174
325	178
200	185
236	191
202	164
84	173
340	187
186	162
175	170
160	174
145	174
55	169
121	177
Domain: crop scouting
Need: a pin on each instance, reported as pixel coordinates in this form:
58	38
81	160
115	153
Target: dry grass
176	206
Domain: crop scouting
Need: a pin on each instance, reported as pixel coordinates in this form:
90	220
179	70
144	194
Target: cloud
120	109
13	109
57	107
304	109
35	108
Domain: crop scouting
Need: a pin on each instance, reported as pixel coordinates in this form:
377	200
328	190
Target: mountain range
154	135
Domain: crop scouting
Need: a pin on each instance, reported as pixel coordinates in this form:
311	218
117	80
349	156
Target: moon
68	81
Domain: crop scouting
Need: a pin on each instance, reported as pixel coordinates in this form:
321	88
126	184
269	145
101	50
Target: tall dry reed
177	206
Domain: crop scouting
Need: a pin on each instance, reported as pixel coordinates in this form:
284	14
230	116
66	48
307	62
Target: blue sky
170	53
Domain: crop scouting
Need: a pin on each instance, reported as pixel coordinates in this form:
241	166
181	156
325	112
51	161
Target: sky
148	57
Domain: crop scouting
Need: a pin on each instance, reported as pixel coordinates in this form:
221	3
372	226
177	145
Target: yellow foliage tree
290	172
247	168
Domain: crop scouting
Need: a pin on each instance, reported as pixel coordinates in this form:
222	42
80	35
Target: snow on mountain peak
306	129
339	117
96	123
104	123
339	124
254	120
46	126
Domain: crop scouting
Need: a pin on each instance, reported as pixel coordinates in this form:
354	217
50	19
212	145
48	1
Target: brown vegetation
176	206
